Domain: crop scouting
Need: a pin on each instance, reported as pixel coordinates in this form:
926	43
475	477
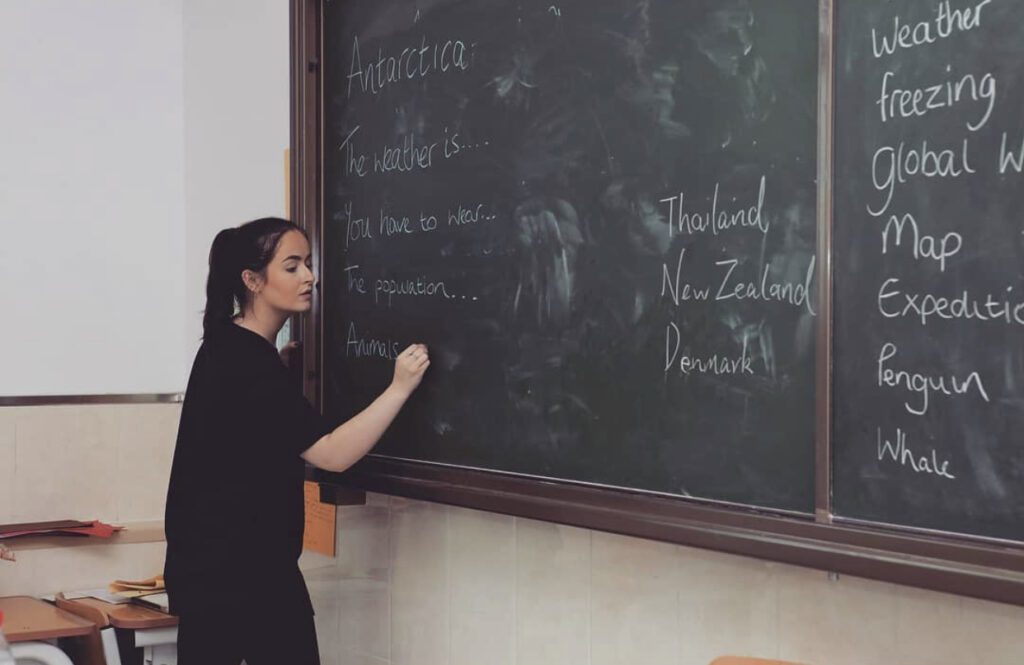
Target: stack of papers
59	528
138	588
150	592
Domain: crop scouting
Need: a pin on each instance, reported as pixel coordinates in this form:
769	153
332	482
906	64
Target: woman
235	502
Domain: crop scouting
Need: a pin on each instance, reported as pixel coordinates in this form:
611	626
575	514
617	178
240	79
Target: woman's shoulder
238	350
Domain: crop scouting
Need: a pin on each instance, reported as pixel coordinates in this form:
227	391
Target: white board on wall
91	197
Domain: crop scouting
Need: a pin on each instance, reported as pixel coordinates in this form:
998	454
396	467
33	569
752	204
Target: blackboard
929	350
600	216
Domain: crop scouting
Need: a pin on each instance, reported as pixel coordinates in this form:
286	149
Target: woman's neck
266	324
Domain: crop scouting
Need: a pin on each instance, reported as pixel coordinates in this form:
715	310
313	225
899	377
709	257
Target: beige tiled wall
431	585
423	584
105	462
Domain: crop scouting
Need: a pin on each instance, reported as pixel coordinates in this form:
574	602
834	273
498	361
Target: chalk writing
406	154
1009	159
922	245
714	220
947	21
916	102
368	347
922	384
356	282
671	283
900	453
356	228
892	165
965	306
715	363
766	289
451	55
388	288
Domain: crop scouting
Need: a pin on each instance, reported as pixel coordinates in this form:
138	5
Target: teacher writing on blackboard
234	517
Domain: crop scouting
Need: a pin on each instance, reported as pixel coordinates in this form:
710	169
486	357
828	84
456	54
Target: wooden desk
30	619
152	631
128	616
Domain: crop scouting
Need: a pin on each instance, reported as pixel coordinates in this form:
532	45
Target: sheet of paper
320	522
158	600
99	594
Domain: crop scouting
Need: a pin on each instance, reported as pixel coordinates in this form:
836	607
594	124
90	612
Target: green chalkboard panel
600	215
929	265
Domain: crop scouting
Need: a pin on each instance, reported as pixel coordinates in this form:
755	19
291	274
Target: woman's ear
252	280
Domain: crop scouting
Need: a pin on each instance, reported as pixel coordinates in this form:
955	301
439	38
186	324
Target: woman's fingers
414	350
414	358
410	366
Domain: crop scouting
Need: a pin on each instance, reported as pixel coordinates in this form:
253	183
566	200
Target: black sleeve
285	413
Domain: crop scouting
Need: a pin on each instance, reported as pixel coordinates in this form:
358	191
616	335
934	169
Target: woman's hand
287	352
409	368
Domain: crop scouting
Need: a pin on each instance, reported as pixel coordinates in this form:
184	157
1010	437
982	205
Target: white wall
236	127
131	132
91	197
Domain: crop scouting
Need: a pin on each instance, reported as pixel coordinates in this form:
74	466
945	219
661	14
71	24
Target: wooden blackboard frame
954	563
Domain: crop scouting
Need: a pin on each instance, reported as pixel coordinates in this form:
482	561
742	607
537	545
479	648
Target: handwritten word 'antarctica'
411	63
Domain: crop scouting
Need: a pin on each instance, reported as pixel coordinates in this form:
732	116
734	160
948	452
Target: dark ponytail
250	246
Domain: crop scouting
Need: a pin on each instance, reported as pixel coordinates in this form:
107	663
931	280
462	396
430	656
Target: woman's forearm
351	440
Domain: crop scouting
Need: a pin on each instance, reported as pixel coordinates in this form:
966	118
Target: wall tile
374	499
66	463
18	578
149	558
847	621
552	594
309	560
333	656
993	633
419	578
353	658
634	603
364	608
362	546
73	568
728	606
483	587
322	584
929	628
8	463
145	447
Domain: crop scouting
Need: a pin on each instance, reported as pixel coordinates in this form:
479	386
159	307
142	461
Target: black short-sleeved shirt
234	515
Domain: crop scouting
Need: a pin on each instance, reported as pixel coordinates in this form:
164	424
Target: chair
29	624
104	641
152	631
38	653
